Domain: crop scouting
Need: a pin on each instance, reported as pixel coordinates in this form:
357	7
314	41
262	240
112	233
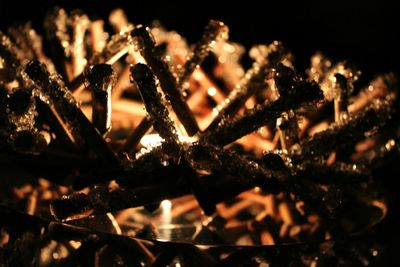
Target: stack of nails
102	123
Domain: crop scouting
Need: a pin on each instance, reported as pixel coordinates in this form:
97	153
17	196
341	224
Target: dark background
366	32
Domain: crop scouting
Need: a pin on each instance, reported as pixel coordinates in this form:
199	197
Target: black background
366	32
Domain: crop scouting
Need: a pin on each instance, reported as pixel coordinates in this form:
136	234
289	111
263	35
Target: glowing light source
166	205
212	91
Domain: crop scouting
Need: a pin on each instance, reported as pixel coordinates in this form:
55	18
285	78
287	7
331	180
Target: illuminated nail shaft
66	105
117	47
80	24
155	105
253	81
290	87
100	81
341	98
214	31
134	138
167	80
56	25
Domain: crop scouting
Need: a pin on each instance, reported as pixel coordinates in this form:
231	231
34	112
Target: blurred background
367	32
